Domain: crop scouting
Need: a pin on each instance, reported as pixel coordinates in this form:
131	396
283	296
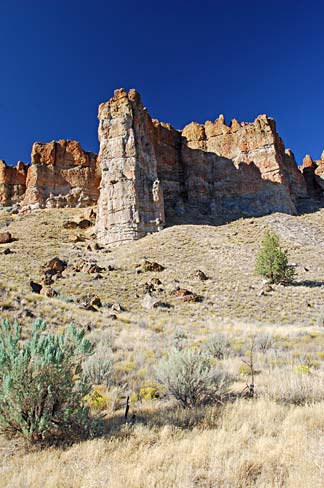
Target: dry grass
267	442
255	444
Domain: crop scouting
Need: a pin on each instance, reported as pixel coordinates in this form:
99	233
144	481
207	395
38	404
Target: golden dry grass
267	442
254	444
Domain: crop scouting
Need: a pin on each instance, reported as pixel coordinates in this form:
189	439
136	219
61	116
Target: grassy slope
249	444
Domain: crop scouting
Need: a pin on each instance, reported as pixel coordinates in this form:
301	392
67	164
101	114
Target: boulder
5	237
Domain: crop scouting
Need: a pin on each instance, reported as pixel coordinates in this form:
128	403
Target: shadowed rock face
12	182
62	174
313	172
153	174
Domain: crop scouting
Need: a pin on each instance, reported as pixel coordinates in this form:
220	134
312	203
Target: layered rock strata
153	174
131	198
62	174
12	182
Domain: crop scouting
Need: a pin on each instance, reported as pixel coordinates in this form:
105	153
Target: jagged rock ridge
62	174
12	182
153	174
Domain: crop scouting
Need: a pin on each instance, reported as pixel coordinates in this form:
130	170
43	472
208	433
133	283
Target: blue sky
190	61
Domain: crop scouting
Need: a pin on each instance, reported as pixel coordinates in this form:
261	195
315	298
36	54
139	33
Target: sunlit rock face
154	175
62	174
12	182
131	197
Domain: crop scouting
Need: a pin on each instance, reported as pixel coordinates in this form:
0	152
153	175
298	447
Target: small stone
90	302
117	307
152	266
150	302
200	275
70	225
36	287
54	266
84	224
5	238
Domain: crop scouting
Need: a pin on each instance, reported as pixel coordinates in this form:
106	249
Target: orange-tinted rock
12	182
62	174
208	173
255	143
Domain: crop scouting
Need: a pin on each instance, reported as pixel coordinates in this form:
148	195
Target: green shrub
272	261
190	378
41	390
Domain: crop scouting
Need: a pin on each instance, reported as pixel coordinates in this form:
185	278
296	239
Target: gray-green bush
191	379
218	346
41	389
98	368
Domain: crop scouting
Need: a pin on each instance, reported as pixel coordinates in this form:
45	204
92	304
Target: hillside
274	439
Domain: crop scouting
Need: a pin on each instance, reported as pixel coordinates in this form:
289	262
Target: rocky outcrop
313	172
256	143
211	173
131	197
62	174
12	182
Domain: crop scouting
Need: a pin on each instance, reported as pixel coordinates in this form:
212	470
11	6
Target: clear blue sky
190	60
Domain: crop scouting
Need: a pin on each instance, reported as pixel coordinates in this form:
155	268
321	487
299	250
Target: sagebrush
41	388
191	378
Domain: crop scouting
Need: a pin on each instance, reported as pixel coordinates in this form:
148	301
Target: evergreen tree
272	261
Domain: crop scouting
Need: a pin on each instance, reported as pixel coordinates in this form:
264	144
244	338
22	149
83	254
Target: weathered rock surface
211	173
131	198
313	172
62	174
12	182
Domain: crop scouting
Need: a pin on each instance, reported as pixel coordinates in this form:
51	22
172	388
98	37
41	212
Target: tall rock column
131	198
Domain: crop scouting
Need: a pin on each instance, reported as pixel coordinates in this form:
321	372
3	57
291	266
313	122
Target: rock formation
153	174
313	172
12	182
131	198
62	174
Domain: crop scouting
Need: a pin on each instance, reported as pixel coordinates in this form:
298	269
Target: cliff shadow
213	191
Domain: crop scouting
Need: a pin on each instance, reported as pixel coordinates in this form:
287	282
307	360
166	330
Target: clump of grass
296	385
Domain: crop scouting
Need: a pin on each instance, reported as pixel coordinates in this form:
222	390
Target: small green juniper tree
272	261
41	388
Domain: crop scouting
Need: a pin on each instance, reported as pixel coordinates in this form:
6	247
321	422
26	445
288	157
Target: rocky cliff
154	174
12	182
62	174
148	174
131	198
313	172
